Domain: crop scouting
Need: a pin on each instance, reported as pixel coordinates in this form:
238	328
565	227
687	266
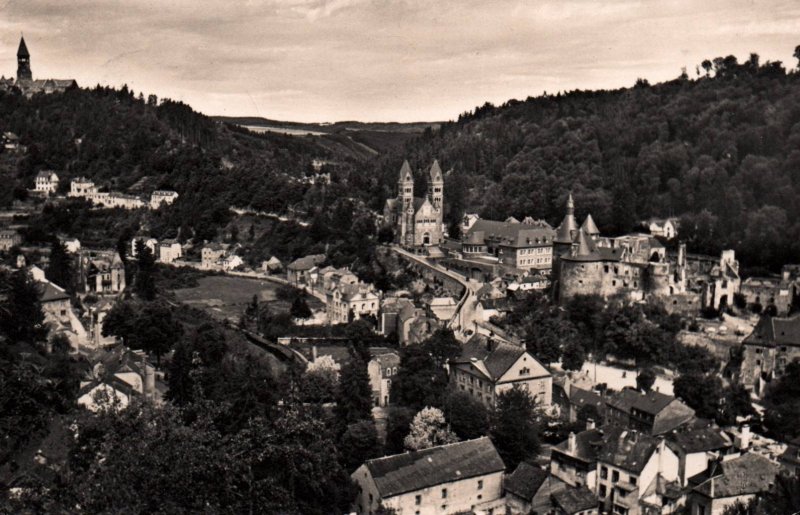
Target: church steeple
23	61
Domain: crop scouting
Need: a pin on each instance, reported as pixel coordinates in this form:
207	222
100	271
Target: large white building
46	182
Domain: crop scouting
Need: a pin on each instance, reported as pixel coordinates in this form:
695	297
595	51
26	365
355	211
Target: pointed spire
570	205
23	48
405	172
586	246
568	227
589	226
436	171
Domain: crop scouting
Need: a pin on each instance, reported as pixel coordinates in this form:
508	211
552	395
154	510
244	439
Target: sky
383	60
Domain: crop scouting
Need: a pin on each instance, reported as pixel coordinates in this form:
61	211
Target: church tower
437	199
23	62
405	190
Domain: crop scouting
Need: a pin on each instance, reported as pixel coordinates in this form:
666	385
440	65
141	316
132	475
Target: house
231	262
159	197
773	344
169	251
662	227
389	317
578	404
575	501
300	270
55	302
382	368
468	221
529	489
101	272
46	182
121	200
773	294
697	448
9	238
348	302
536	282
653	413
487	368
211	255
730	481
81	187
633	466
574	461
271	265
119	376
488	308
526	245
443	308
447	479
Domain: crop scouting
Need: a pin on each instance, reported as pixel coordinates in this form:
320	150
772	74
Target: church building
417	222
30	86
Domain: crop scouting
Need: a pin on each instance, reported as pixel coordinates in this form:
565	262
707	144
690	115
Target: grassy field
226	297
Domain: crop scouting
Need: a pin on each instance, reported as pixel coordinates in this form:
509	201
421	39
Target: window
602	491
615	476
418	500
604	472
444	493
480	496
480	484
634	479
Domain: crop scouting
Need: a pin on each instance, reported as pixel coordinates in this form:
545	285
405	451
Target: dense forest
721	150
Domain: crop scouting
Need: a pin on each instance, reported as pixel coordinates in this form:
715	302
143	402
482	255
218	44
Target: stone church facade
417	222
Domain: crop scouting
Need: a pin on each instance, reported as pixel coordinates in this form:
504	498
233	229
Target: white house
73	245
382	368
81	187
169	251
159	197
455	478
46	182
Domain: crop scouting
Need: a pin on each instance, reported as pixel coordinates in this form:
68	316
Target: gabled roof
587	445
651	402
405	172
749	474
51	292
700	440
525	481
497	360
511	234
626	449
772	331
412	471
23	48
306	262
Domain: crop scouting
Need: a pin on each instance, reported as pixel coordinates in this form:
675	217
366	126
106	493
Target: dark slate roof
700	440
412	471
749	474
525	481
50	292
651	402
307	262
589	227
772	331
497	360
23	48
575	500
626	449
587	445
580	398
510	234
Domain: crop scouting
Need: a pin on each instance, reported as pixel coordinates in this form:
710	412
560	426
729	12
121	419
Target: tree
573	356
358	444
701	392
442	346
59	270
321	380
706	64
419	381
796	55
120	321
398	425
155	331
514	427
354	397
468	417
300	309
645	379
144	281
21	317
782	401
428	429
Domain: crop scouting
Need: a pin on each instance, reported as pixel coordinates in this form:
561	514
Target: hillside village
488	366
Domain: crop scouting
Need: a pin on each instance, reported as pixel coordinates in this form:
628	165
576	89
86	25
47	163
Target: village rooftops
493	358
587	446
749	474
416	470
704	439
525	481
666	411
772	331
306	262
627	449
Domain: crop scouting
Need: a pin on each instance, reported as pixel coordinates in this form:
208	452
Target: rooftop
575	500
525	481
749	474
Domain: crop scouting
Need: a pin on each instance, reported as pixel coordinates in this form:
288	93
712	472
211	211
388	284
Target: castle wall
600	278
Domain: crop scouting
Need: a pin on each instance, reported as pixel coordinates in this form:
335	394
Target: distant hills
363	139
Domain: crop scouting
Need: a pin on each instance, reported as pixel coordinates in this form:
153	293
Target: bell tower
23	62
405	190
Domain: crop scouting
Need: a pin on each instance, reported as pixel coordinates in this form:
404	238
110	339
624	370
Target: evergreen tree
358	444
468	417
59	270
515	430
300	309
145	282
354	397
21	317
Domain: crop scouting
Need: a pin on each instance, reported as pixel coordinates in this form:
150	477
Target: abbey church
417	222
25	81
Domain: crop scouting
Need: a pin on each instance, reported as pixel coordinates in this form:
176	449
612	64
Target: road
464	317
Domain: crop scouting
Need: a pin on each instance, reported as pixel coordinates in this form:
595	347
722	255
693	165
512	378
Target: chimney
590	424
744	438
572	443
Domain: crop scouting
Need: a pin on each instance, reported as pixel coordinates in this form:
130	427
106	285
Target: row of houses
166	251
82	187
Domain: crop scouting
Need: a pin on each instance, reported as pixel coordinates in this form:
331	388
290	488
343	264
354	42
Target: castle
25	81
417	222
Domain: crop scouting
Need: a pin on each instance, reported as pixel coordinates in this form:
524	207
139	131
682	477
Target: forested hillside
722	149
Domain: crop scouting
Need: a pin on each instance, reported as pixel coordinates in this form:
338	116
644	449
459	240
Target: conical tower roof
23	48
586	246
436	171
405	172
589	226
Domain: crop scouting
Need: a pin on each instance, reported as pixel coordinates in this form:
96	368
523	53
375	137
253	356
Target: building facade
417	222
46	182
526	245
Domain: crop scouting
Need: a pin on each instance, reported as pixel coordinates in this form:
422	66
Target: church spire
23	61
23	48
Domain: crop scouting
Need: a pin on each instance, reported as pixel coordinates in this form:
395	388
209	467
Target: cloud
324	60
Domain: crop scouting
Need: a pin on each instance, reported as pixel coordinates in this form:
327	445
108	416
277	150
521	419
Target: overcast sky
382	60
